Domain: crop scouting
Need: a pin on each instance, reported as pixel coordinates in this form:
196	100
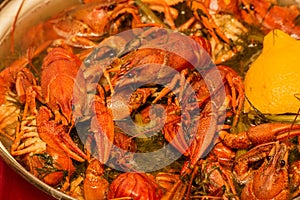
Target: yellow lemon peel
273	80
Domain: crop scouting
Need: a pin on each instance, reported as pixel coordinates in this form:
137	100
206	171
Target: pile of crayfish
85	100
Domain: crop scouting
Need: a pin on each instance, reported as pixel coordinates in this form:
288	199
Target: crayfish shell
138	186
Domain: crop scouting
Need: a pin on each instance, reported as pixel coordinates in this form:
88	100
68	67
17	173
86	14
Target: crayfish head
271	179
95	185
254	11
60	98
66	109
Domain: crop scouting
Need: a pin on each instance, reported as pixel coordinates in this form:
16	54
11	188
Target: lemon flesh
273	81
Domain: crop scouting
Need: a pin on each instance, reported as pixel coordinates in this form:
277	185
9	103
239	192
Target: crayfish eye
192	100
111	7
130	75
228	120
282	163
243	7
269	158
252	7
223	188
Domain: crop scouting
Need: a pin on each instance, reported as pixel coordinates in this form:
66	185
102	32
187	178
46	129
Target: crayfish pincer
260	134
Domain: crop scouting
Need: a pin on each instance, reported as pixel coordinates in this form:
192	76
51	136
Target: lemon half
272	84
